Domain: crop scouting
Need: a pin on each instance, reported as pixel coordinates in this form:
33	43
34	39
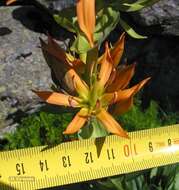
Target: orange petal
111	78
86	18
59	63
123	106
111	124
58	70
117	51
8	2
54	49
56	63
58	98
76	124
77	64
79	85
106	66
122	78
108	98
122	95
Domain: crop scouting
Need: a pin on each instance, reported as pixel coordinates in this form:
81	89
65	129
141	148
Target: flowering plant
108	14
96	85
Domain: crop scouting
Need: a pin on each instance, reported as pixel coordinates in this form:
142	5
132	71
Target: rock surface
22	66
164	15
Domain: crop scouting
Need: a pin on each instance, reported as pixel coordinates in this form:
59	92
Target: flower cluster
106	92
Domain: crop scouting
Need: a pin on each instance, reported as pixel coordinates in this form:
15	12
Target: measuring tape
83	160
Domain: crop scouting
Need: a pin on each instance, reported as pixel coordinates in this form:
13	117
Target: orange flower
117	50
8	2
96	99
86	18
60	63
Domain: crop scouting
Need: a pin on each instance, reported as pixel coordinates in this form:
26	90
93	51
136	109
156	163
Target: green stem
91	65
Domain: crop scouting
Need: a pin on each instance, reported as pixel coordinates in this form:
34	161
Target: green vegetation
152	117
109	14
39	129
46	128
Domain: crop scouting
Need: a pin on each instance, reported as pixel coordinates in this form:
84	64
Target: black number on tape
20	169
151	149
88	157
66	161
43	165
110	154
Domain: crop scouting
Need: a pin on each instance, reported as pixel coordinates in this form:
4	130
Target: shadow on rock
17	116
40	20
30	18
4	31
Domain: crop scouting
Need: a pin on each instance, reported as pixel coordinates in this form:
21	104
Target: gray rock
22	66
164	14
57	5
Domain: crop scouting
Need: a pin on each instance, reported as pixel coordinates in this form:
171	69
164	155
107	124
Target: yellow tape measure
72	162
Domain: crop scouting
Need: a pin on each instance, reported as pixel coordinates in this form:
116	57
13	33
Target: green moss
39	129
152	117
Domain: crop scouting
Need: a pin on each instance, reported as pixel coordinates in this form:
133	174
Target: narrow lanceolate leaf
106	66
76	124
122	78
67	19
107	19
91	65
117	51
79	85
111	124
58	98
138	5
130	31
86	18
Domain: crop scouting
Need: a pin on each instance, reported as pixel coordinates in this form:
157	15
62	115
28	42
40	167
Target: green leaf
117	182
176	181
98	129
138	5
130	30
67	19
80	45
91	63
92	129
107	19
